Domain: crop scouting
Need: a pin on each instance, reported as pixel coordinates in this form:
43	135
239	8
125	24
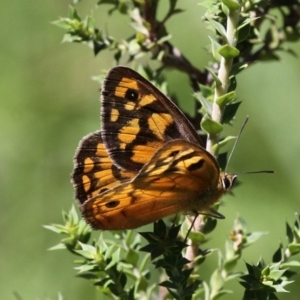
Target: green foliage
75	228
118	268
112	265
210	126
243	32
83	31
163	242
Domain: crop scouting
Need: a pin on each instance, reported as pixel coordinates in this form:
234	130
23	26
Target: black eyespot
112	204
132	95
173	153
196	166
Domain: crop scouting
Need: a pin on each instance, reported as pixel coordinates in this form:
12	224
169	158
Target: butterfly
146	163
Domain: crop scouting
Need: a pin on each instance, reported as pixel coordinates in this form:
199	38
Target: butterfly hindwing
180	176
137	119
94	171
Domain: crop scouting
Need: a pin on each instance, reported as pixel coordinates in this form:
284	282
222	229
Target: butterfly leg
192	225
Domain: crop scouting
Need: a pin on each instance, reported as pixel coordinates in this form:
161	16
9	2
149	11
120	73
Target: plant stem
223	75
217	112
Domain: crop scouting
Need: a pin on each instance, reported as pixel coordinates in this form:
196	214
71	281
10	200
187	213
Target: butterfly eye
228	181
112	204
132	95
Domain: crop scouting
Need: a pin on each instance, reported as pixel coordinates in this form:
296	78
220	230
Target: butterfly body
146	163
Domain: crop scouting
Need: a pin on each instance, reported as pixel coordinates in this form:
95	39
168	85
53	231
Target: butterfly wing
94	171
137	119
181	176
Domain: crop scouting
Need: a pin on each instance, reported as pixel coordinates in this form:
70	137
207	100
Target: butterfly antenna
236	141
255	172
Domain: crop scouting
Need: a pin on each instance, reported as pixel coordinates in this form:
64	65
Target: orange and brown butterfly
147	161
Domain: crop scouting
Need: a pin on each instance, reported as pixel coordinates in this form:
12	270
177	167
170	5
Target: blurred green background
49	102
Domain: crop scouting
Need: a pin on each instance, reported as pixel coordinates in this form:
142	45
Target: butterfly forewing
137	119
181	176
